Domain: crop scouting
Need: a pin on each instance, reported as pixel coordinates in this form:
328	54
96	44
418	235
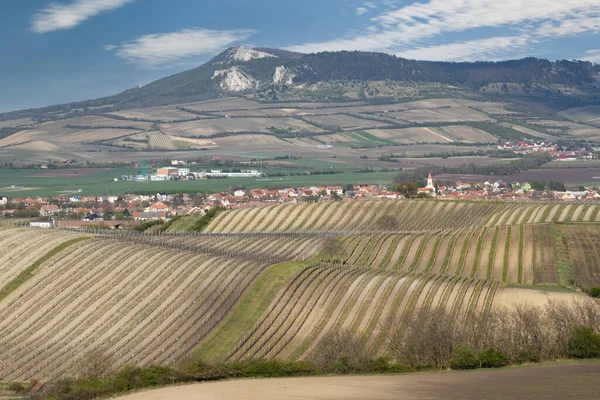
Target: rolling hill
271	73
249	104
275	282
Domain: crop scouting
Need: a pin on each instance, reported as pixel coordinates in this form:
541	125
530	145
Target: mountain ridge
273	72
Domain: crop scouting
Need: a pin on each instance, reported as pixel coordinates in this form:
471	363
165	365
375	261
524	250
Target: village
126	210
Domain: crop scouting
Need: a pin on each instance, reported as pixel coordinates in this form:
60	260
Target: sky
59	51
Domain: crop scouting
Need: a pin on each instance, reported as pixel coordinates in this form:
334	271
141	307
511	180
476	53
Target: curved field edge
561	378
391	216
247	311
29	271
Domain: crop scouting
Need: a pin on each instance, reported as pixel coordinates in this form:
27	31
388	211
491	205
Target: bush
205	220
16	387
147	225
584	343
493	358
464	357
594	292
383	365
527	356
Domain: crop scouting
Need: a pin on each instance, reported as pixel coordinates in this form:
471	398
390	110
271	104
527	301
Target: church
430	188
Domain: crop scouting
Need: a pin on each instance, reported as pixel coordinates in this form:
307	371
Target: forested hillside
562	83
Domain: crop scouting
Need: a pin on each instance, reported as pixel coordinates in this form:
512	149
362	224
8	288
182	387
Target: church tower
430	182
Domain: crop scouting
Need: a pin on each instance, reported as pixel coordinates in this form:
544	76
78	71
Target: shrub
584	343
527	356
205	220
16	387
342	352
493	358
594	292
147	225
464	357
383	365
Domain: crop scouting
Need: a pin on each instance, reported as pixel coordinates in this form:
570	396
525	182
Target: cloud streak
410	29
473	50
58	16
166	49
592	56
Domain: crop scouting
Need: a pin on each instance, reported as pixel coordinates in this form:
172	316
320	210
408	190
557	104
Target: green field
102	183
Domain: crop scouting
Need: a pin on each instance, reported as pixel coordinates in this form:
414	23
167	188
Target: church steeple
430	182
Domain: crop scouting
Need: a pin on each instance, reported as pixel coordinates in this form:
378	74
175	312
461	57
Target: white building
42	224
239	193
244	174
183	171
3	200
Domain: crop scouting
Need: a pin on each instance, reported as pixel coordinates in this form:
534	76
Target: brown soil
557	381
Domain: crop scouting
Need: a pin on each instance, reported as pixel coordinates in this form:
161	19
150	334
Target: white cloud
480	49
592	56
161	50
59	16
571	26
109	47
361	10
416	24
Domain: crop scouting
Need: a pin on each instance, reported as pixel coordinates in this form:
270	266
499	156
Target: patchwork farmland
274	282
238	127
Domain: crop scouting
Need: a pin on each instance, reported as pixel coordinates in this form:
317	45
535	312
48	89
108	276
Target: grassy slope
246	312
184	224
27	273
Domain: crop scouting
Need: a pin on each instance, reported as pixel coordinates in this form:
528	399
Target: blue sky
68	50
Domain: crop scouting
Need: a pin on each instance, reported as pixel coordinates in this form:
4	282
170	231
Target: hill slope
273	72
144	299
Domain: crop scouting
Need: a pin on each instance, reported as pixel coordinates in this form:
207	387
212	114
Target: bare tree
95	364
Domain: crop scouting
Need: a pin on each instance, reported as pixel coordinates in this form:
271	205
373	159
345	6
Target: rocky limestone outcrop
283	76
235	80
245	54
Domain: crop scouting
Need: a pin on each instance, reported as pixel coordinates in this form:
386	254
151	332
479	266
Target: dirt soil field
557	381
566	175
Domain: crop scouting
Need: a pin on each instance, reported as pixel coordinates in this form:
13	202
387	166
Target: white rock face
282	76
235	80
244	54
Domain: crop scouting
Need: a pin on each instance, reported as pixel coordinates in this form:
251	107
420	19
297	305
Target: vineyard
522	254
398	216
290	274
132	298
322	299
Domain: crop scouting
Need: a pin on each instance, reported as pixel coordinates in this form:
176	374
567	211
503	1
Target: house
42	224
3	200
48	210
168	172
335	189
239	193
158	208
